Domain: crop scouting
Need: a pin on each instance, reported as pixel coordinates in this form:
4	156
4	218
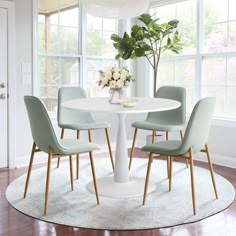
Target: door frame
10	6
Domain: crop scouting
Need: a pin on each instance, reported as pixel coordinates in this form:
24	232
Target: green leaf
118	56
115	37
139	52
145	18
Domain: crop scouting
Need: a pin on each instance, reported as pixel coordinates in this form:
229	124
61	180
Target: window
62	55
100	51
59	53
206	66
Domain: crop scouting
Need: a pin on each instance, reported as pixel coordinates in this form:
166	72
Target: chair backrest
175	116
41	127
198	128
69	116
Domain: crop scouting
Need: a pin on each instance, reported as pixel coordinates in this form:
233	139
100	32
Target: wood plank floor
14	223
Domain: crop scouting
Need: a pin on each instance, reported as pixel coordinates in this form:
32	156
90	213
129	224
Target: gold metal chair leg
211	170
48	180
62	136
147	177
167	135
77	158
71	173
153	136
170	173
168	166
89	136
132	149
109	148
94	176
168	158
182	137
192	180
29	169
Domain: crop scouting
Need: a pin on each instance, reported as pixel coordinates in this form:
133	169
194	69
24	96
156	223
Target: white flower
116	70
108	74
123	75
116	75
119	83
127	83
112	84
104	81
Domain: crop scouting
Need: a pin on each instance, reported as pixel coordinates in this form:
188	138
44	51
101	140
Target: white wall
221	141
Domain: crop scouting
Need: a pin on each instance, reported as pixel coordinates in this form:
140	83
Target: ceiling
47	7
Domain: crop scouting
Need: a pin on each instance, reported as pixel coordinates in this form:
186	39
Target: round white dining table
121	185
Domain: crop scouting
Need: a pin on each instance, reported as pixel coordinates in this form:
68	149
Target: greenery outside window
58	45
100	52
206	67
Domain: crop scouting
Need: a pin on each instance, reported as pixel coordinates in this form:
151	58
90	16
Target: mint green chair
78	120
195	140
167	121
45	139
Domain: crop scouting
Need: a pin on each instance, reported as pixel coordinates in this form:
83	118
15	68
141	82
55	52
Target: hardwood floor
13	222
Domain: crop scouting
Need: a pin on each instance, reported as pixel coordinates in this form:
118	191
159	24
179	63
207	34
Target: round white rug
162	209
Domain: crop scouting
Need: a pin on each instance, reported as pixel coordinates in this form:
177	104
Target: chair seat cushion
85	126
148	125
71	146
170	147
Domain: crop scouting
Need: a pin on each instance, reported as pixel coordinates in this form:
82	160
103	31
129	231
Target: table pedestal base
107	187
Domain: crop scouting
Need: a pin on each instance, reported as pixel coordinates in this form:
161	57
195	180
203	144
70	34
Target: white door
3	88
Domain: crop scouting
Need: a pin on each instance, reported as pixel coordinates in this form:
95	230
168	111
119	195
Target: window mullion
83	42
199	57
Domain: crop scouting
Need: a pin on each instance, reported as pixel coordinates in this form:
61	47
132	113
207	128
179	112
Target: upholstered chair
45	140
194	140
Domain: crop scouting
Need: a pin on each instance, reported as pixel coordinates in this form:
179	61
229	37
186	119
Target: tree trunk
154	80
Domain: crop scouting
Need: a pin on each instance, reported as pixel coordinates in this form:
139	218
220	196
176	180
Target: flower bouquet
115	78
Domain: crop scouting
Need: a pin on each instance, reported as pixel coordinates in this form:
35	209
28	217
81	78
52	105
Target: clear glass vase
115	95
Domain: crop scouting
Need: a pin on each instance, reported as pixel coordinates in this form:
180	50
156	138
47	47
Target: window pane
41	38
185	72
219	93
230	106
69	40
94	43
108	50
165	73
110	25
179	73
49	80
185	12
232	7
94	65
215	11
214	71
69	72
70	17
215	38
94	22
231	69
58	47
232	36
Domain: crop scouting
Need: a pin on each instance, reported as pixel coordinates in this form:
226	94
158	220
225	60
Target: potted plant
149	40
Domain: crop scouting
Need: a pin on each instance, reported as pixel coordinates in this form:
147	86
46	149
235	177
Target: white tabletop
102	105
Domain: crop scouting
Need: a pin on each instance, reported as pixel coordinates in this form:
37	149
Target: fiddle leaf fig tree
149	40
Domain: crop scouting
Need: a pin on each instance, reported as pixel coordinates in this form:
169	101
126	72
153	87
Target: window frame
200	54
81	56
